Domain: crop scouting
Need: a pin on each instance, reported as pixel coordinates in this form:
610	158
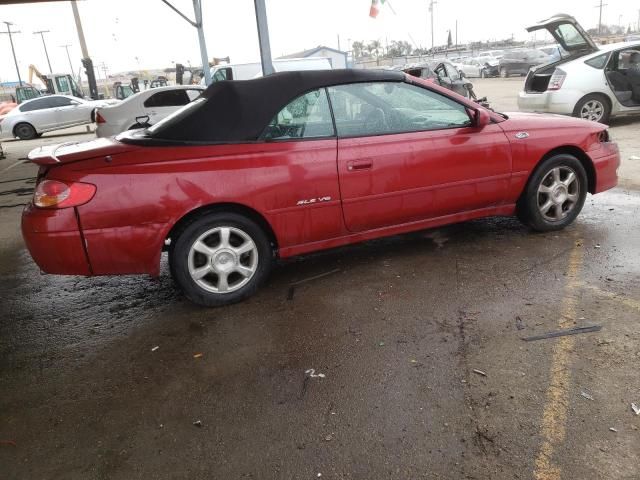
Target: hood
75	151
522	121
568	33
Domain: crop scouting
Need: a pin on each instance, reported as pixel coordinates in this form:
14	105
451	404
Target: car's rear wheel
220	258
554	195
504	73
25	131
594	107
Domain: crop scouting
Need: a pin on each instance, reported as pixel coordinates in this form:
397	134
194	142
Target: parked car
144	109
471	67
297	162
555	52
519	61
491	65
34	117
443	73
591	82
497	54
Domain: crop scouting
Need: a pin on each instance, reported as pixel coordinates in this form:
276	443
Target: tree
374	48
399	48
358	49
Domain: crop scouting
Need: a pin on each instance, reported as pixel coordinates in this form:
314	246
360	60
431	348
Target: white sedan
34	117
591	81
144	108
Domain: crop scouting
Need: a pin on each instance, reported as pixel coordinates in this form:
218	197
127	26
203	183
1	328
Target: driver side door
407	153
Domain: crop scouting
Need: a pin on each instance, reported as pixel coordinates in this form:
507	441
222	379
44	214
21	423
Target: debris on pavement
197	423
479	372
597	245
8	443
155	348
292	286
586	395
312	373
562	333
197	355
519	324
635	408
613	429
381	344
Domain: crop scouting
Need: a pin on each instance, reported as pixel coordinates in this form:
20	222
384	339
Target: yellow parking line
554	416
629	302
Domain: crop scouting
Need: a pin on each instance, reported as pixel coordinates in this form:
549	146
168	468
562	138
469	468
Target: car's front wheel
554	195
220	258
25	131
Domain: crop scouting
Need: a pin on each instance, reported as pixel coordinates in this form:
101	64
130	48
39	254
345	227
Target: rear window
597	62
167	98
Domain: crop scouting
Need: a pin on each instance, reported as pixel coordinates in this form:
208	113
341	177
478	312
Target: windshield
157	129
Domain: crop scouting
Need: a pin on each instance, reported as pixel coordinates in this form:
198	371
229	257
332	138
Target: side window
223	74
452	73
441	72
597	62
167	98
193	94
365	109
60	101
39	104
63	84
308	116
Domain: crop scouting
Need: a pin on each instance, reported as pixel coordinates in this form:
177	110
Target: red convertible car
297	162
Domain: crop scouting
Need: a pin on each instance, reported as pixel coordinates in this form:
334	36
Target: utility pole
9	32
41	33
197	10
86	60
431	4
600	17
263	37
66	47
456	33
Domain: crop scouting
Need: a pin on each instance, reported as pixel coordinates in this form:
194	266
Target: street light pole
9	32
66	47
263	37
431	4
41	33
600	18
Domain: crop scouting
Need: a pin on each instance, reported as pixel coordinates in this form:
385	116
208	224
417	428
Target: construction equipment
60	83
123	90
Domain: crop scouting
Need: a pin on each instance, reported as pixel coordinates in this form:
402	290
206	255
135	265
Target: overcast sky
132	34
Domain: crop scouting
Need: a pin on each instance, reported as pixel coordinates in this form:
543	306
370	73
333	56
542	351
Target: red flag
374	10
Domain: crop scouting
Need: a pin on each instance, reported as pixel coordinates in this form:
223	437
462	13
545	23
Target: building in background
338	58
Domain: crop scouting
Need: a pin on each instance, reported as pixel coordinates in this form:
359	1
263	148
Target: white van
246	71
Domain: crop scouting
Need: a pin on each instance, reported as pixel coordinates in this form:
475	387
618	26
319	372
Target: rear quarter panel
141	194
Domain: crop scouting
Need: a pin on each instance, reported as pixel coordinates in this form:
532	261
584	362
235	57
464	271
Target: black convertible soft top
239	110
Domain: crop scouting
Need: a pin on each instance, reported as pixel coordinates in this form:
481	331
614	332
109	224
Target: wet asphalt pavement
405	362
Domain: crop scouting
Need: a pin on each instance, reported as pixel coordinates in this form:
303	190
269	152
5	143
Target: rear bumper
54	240
560	101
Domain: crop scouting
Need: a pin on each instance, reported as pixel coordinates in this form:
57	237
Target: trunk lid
76	151
568	33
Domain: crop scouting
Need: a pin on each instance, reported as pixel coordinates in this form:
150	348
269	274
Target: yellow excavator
60	83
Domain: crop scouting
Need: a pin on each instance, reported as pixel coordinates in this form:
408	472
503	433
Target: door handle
359	165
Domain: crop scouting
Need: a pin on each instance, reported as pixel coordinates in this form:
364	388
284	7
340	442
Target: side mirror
482	118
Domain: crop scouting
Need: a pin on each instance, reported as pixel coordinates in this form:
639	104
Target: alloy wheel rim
592	110
558	193
223	260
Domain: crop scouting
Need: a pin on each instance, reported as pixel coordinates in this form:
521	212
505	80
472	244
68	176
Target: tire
215	259
25	131
551	201
504	73
594	107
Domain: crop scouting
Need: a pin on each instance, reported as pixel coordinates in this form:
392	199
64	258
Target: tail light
57	194
557	79
100	118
